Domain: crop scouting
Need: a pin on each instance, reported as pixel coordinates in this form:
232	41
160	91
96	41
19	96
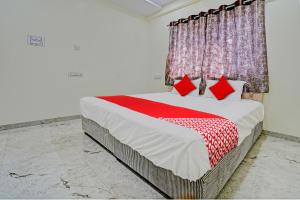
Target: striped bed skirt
208	186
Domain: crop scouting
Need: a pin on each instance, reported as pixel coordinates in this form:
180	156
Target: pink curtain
233	44
186	50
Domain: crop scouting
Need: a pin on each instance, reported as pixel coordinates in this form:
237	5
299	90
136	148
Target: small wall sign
36	40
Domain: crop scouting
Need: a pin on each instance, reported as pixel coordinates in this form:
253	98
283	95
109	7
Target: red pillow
221	89
185	86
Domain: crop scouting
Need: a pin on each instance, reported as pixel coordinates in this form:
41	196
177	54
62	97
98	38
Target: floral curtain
231	42
186	50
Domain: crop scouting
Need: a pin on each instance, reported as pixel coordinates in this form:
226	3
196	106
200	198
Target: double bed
173	158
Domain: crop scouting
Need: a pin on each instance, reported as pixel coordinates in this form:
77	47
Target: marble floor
58	161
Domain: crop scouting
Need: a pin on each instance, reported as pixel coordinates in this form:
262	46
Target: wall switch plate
75	74
157	77
76	47
36	40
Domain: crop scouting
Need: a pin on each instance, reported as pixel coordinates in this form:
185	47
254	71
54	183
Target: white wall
282	104
33	80
34	83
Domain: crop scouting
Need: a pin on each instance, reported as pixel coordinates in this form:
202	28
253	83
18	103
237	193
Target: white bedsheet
168	145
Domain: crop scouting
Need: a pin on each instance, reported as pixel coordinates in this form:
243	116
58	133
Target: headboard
253	96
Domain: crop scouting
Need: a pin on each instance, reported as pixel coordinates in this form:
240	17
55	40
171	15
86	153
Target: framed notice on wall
36	40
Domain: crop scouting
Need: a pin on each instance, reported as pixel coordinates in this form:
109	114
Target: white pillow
195	92
236	95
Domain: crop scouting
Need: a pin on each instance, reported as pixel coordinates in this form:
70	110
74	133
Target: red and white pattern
220	135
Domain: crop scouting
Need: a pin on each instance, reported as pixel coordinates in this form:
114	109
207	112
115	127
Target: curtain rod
212	11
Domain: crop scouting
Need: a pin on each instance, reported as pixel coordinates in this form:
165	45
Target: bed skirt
208	186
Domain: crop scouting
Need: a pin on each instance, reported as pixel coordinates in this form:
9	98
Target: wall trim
282	136
177	5
172	7
72	117
38	122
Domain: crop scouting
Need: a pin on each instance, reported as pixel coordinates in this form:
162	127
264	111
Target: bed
171	157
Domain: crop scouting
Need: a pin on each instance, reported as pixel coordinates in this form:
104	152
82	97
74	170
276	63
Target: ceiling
143	7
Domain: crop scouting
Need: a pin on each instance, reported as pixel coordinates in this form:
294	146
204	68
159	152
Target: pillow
235	96
221	89
196	82
185	86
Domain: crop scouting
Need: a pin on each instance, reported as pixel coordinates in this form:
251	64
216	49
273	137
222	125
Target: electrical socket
75	74
76	47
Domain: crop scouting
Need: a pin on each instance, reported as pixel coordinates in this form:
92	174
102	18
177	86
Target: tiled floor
58	161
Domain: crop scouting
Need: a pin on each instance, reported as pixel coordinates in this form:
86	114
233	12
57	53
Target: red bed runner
220	134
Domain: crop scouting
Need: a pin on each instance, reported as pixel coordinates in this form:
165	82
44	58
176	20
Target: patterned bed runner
220	134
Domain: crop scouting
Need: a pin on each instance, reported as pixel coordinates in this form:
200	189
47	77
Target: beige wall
121	56
282	104
34	85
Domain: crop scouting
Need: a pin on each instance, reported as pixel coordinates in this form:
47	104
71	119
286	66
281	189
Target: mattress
170	185
169	146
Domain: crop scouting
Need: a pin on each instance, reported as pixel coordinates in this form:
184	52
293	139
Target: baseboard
38	122
66	118
282	136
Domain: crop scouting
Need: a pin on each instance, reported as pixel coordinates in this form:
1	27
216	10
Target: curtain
232	43
186	50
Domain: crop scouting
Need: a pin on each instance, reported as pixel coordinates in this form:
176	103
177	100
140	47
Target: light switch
75	74
36	40
76	47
